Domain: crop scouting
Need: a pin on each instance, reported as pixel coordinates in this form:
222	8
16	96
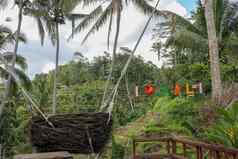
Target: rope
124	70
90	140
25	93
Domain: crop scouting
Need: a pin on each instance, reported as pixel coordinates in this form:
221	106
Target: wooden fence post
134	149
174	147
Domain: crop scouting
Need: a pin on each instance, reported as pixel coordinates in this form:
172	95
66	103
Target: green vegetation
225	129
84	86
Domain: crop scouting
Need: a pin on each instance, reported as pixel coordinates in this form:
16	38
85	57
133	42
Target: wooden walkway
49	155
178	148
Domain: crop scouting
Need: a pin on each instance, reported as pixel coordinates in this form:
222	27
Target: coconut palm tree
52	14
20	72
185	35
8	37
213	51
23	6
99	17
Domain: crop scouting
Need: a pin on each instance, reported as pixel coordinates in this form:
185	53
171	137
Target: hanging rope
124	70
25	93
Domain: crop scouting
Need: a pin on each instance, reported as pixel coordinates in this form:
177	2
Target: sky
41	58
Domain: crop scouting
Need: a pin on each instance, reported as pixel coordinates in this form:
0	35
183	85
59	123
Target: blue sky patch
190	5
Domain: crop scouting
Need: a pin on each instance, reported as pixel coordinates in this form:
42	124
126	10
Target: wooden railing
201	150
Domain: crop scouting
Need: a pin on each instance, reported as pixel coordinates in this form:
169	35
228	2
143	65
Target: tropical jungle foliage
82	85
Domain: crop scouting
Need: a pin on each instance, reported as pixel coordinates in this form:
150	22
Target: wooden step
49	155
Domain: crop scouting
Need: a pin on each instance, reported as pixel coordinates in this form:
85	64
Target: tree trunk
213	52
56	69
118	22
13	61
7	92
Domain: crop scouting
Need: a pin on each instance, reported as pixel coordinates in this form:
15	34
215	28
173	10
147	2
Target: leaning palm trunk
213	52
13	61
9	80
56	69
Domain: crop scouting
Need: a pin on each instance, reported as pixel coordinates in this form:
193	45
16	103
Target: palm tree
8	37
184	36
20	72
22	6
99	17
213	51
52	15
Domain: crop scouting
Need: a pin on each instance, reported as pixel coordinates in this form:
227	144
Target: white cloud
176	8
48	67
131	26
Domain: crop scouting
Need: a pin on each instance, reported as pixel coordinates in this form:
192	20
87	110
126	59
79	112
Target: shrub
118	150
178	115
225	130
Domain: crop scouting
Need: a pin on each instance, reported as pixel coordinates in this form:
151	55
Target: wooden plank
49	155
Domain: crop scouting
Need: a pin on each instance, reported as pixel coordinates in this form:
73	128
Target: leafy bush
225	130
179	115
118	150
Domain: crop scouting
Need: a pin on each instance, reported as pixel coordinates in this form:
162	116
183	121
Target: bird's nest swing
77	133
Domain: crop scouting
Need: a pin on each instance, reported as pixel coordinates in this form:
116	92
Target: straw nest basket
76	133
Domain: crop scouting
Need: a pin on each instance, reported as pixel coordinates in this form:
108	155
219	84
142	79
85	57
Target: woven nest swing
77	133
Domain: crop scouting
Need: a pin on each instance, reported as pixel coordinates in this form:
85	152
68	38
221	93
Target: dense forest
193	94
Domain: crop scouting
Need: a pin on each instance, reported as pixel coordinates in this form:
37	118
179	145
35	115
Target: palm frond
100	21
21	62
180	21
185	39
73	18
25	80
199	18
145	7
50	28
220	15
69	5
88	20
109	30
41	30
